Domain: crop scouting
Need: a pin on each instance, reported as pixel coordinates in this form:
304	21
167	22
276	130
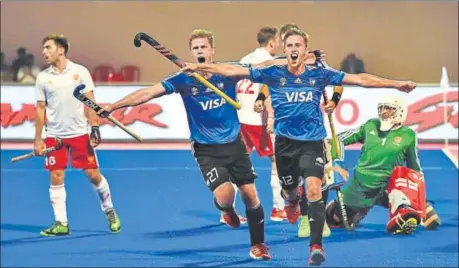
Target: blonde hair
202	33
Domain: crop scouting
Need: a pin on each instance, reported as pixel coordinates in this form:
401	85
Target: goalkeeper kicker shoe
113	221
405	221
56	229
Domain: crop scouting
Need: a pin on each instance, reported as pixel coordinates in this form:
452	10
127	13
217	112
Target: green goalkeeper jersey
381	152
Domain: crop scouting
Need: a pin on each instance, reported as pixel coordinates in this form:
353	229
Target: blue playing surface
168	219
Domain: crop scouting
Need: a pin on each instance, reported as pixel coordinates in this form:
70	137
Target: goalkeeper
388	173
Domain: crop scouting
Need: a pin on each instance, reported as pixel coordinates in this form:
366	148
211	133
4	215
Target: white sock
58	196
235	193
278	201
103	192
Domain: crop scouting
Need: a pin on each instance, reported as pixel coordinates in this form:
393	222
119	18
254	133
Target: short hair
59	39
287	27
266	34
296	31
202	33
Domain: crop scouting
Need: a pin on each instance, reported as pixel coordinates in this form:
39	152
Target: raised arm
138	97
222	69
373	81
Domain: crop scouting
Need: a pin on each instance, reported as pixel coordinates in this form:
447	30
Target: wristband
336	97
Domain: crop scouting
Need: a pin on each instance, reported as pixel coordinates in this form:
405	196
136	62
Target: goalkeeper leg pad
407	200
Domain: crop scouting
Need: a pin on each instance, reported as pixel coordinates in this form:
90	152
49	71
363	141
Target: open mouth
294	56
201	59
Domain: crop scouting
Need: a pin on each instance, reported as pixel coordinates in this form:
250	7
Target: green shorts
358	194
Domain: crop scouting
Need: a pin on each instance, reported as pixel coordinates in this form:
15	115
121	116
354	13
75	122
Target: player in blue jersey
296	90
215	136
263	98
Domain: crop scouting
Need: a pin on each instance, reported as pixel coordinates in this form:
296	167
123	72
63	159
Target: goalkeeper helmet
392	110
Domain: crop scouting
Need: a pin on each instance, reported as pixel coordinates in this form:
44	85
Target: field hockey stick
78	93
339	194
173	58
32	154
335	146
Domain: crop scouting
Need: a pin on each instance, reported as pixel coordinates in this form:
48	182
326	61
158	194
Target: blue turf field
169	220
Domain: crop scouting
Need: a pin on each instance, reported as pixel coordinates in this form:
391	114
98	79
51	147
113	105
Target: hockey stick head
138	39
78	93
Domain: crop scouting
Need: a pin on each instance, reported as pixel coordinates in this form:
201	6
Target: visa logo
212	104
299	96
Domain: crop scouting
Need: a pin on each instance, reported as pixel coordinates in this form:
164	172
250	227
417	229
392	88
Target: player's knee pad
406	188
431	221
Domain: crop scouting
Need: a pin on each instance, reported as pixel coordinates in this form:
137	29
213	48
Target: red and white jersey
64	113
247	91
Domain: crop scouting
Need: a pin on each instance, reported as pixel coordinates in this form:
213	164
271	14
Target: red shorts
82	154
256	136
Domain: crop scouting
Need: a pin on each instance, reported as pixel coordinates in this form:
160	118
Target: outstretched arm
222	69
373	81
138	97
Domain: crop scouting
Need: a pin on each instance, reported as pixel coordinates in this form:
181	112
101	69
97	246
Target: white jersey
247	92
65	116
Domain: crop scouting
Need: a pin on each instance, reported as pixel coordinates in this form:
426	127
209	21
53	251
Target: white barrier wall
165	118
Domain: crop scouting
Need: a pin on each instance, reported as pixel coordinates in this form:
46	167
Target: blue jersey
296	99
210	118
